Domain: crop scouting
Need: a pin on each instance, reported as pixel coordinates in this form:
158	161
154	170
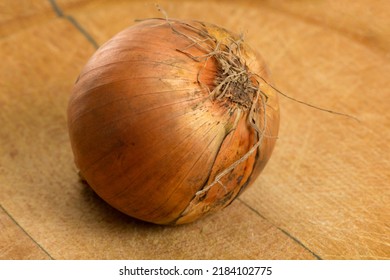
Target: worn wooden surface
324	194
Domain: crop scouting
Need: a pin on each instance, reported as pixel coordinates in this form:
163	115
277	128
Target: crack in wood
60	13
296	240
25	232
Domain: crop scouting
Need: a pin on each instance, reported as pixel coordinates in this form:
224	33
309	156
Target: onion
171	120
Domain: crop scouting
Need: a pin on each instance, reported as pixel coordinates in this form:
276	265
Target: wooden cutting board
325	193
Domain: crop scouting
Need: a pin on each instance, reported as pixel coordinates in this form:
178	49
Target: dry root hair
234	83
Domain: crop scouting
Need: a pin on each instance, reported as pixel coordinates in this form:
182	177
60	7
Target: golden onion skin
146	135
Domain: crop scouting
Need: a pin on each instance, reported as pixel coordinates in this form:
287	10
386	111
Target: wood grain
324	194
17	15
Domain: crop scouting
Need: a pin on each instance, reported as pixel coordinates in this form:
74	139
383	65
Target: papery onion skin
146	135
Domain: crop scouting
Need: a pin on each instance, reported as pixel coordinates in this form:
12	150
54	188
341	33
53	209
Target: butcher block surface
325	193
